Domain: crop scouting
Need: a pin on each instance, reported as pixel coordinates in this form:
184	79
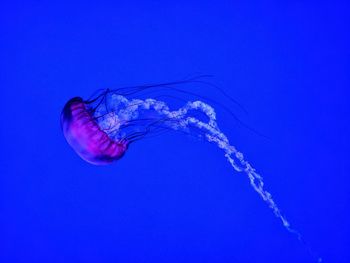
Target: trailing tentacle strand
125	111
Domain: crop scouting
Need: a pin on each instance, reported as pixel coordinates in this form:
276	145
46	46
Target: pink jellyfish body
85	136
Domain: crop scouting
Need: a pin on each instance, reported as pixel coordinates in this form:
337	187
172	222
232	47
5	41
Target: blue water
173	198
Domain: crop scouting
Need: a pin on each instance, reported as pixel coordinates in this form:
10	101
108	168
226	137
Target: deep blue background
173	199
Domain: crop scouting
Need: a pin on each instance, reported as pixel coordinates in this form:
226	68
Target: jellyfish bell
85	136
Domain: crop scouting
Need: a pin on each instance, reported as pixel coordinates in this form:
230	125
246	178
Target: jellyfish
102	128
